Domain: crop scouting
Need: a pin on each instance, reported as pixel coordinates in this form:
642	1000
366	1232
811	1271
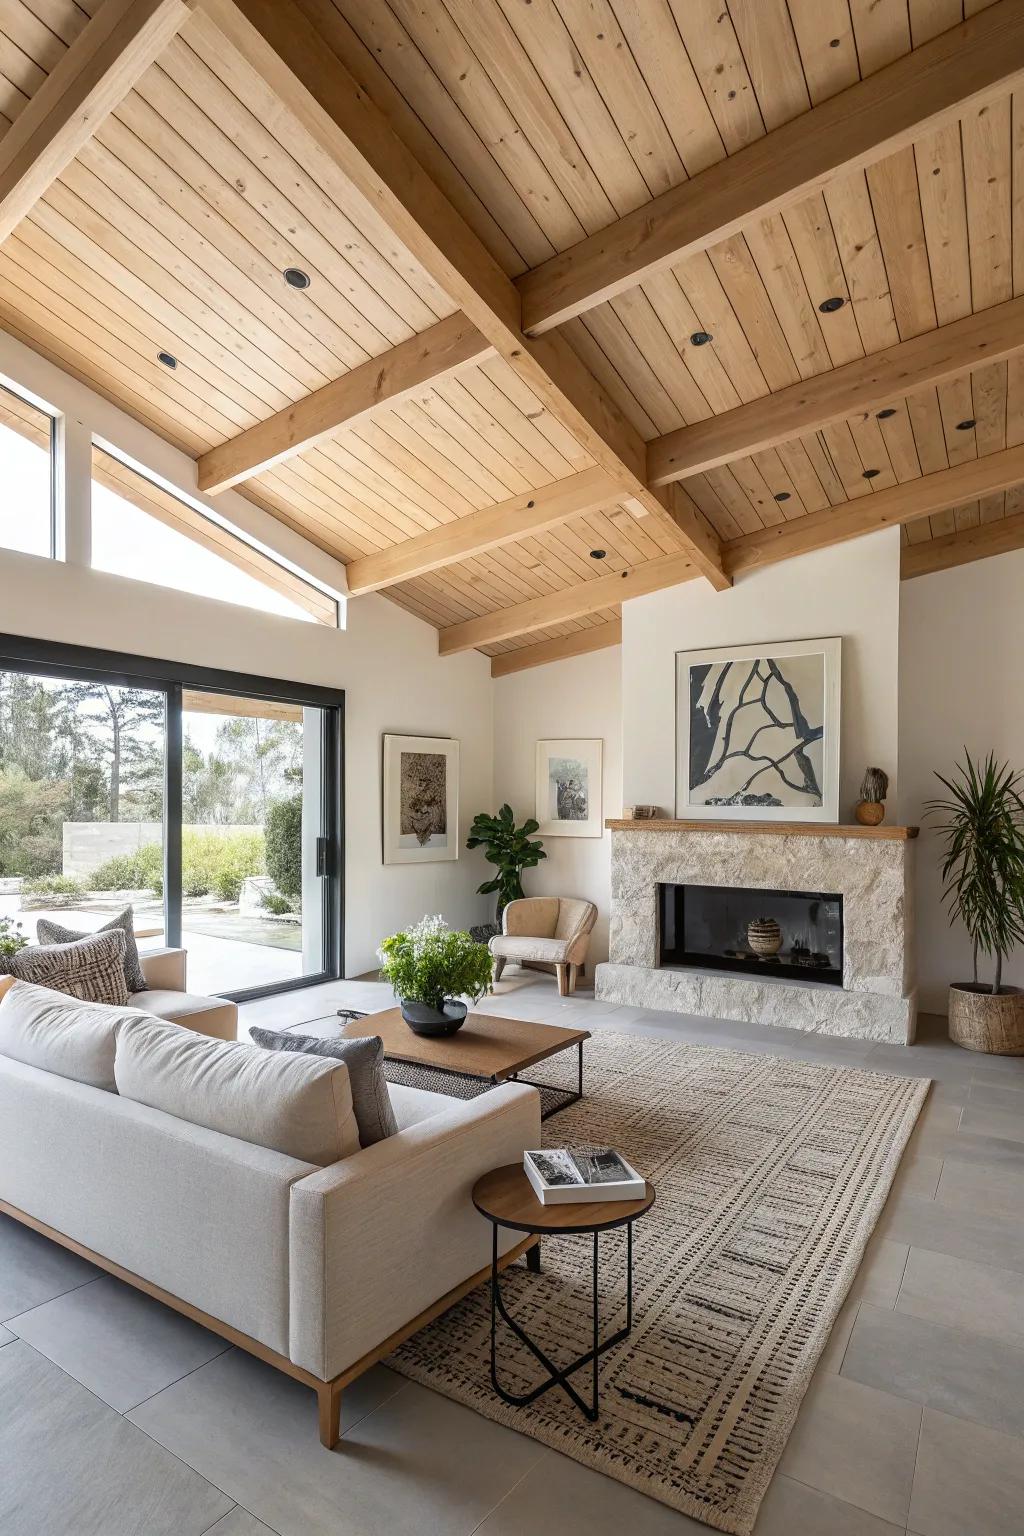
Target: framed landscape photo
569	788
421	799
757	732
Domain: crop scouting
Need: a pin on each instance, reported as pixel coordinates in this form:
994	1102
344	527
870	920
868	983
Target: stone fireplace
685	893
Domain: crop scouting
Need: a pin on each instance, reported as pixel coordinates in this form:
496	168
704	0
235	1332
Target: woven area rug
770	1176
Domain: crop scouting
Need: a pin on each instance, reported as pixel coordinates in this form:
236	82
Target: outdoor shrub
123	872
270	901
53	885
284	845
213	863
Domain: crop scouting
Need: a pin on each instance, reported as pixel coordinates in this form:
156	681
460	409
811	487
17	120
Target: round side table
505	1197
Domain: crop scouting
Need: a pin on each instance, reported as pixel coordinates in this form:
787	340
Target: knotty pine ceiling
542	121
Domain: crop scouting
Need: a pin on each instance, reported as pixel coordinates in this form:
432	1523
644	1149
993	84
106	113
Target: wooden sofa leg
329	1401
499	966
563	980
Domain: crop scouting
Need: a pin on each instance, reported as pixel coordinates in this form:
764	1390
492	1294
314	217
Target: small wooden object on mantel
640	812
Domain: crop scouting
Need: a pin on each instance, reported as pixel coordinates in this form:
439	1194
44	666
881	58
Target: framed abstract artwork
757	732
569	788
421	799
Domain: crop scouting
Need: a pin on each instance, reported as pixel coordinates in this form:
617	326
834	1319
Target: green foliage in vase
982	827
11	938
432	962
510	848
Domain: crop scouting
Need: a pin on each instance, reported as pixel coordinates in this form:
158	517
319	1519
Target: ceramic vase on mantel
764	937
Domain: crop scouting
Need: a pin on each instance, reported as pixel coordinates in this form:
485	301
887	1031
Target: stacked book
569	1176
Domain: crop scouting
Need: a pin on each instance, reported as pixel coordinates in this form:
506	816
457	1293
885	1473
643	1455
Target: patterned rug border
745	1514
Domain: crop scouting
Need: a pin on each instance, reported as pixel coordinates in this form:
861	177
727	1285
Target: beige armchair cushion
534	916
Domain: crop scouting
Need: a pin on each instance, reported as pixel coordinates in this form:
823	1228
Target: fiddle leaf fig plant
510	849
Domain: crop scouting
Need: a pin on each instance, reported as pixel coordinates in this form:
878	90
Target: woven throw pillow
365	1061
91	969
49	932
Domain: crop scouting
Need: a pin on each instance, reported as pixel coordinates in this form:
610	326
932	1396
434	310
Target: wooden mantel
772	828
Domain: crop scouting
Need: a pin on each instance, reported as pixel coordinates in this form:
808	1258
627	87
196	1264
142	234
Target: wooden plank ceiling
545	123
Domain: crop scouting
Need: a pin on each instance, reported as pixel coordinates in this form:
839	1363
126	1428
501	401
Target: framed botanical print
757	732
569	788
421	799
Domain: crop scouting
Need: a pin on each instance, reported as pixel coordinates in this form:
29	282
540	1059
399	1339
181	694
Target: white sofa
317	1270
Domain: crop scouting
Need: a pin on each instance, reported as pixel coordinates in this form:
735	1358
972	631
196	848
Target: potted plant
983	873
11	940
431	968
512	849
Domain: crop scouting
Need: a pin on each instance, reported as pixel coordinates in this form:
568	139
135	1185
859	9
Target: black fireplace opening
788	935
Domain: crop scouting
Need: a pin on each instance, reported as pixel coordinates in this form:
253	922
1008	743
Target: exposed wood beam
580	643
517	518
956	71
969	544
94	76
571	603
278	41
884	509
375	385
864	384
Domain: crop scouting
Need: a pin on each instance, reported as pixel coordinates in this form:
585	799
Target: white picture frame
577	790
791	719
420	799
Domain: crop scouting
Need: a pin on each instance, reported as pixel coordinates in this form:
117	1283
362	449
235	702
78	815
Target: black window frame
52	658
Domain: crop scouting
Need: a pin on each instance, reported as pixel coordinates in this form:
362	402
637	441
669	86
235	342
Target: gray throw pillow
49	932
365	1061
91	969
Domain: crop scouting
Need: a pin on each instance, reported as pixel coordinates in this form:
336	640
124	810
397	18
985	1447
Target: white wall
579	697
385	661
851	590
961	685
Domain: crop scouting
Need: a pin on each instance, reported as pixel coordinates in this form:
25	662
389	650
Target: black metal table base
559	1376
567	1096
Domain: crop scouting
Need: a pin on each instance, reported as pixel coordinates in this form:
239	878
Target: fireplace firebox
707	927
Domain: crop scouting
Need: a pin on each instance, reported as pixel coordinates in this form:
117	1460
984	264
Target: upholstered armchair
546	931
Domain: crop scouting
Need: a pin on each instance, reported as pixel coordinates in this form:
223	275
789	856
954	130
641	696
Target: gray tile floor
119	1418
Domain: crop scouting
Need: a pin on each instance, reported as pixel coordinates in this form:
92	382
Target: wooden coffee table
489	1047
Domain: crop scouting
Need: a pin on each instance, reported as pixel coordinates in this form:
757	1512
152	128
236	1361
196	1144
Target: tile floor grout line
545	1453
177	1381
849	1503
917	1458
5	1322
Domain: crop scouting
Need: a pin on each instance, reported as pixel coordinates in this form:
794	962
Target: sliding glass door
209	802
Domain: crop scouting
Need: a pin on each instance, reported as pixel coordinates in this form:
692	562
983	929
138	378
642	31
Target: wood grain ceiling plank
450	344
940	175
987	175
583	643
960	548
588	596
851	215
652	36
85	86
276	41
713	47
925	497
828	50
872	121
864	385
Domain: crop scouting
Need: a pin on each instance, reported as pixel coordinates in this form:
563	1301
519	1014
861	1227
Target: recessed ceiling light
782	496
829	306
869	474
296	278
965	426
701	338
168	359
598	554
890	410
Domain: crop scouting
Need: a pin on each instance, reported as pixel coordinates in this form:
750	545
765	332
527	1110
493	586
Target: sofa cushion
365	1061
295	1104
414	1105
55	1033
49	932
546	951
209	1015
90	969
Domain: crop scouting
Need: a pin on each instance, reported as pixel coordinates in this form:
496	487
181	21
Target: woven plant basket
982	1021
